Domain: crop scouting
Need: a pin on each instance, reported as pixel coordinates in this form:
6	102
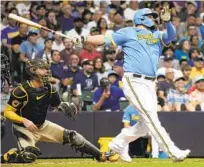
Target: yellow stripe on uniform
148	116
111	39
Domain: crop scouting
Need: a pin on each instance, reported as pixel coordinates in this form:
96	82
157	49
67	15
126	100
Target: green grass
92	163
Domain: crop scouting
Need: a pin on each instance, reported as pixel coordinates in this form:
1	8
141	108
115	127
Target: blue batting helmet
141	18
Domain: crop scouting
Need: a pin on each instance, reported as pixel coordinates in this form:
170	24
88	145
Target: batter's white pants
142	94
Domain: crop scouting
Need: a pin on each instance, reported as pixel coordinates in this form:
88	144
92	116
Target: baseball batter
142	46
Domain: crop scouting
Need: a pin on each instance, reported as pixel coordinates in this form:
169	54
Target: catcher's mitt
68	109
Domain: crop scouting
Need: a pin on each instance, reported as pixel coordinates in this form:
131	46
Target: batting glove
166	14
79	40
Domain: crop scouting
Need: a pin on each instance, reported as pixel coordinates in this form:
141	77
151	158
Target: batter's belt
143	76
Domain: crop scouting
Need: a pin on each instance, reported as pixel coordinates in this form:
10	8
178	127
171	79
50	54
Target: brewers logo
15	103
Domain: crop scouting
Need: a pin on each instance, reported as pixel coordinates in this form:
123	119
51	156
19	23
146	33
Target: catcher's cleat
9	155
112	156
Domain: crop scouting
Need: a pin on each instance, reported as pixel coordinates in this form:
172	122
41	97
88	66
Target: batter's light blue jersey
141	48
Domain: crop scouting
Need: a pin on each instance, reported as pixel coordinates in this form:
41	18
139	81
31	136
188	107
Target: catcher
27	109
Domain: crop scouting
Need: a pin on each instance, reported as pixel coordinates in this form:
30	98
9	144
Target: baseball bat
33	24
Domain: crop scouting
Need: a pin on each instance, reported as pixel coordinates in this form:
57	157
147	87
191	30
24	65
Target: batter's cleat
123	154
184	154
125	157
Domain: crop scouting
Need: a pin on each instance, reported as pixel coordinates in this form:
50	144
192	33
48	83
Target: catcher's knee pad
80	143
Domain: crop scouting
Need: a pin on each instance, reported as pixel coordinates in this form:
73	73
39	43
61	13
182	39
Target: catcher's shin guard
27	155
78	142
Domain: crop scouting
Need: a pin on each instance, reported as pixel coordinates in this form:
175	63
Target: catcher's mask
32	67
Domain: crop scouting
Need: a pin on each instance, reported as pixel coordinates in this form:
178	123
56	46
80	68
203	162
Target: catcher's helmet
33	65
104	82
140	17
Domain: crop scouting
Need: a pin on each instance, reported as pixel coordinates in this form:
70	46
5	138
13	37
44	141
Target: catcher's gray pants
48	132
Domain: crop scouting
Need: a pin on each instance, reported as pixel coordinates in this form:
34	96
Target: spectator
43	33
198	68
46	53
52	22
192	31
90	6
11	31
193	54
178	99
94	31
197	96
87	80
118	21
162	101
186	73
88	52
96	17
33	12
167	63
30	49
183	50
9	5
103	27
195	42
4	21
73	68
66	20
112	76
176	21
160	77
58	43
168	83
116	5
86	16
67	51
190	9
15	45
107	96
99	68
48	5
118	68
111	18
80	7
110	55
41	11
182	29
57	67
57	5
130	11
78	29
168	54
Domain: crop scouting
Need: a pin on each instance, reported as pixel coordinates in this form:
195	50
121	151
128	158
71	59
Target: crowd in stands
83	68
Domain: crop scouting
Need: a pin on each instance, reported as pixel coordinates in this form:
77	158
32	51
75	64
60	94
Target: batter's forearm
170	34
96	39
9	113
